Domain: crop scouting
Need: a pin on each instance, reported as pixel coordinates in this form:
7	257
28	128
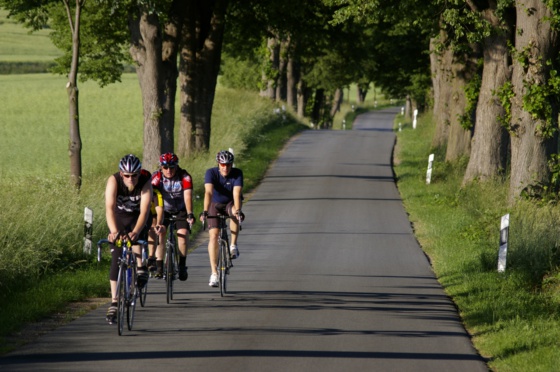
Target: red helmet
169	159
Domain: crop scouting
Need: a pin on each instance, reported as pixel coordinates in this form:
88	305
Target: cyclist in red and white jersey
175	185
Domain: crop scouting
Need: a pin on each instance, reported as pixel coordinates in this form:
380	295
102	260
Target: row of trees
494	67
303	58
487	68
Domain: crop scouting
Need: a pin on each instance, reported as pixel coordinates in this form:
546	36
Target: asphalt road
330	278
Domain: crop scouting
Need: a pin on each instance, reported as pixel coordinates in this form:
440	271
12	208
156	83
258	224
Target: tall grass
513	316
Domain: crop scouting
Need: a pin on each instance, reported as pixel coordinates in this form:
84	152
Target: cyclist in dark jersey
128	196
223	193
175	185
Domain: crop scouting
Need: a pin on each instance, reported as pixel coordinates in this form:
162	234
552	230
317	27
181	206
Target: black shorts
216	208
126	223
183	224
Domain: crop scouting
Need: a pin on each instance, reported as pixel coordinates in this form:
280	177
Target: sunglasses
134	175
225	165
168	166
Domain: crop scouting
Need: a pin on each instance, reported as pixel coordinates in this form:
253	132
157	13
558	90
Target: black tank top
128	202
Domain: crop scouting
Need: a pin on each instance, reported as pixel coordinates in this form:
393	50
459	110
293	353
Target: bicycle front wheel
132	296
121	291
222	266
169	267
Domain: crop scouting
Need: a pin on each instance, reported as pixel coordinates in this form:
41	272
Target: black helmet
130	164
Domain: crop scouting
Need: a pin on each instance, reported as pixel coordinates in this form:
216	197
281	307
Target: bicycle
172	255
127	281
224	257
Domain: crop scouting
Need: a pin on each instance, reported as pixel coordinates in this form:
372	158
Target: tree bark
440	64
146	51
75	141
199	67
170	72
491	140
459	138
270	72
302	95
291	82
337	101
536	43
281	80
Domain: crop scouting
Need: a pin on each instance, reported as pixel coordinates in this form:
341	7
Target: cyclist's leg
234	228
213	255
152	247
160	255
113	275
182	241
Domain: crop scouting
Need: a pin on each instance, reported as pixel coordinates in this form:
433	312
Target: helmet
130	164
168	158
224	157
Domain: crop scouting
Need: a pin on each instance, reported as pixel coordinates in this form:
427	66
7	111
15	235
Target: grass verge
512	316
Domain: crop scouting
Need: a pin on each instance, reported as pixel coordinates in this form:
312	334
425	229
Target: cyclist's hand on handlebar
159	229
113	236
240	216
190	219
203	216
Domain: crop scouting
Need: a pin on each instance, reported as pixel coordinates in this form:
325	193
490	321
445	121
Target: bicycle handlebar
100	243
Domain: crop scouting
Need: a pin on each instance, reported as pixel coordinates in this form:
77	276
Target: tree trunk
337	101
440	64
362	92
199	67
491	140
270	71
534	137
170	73
459	138
291	89
146	51
75	141
302	94
317	107
281	80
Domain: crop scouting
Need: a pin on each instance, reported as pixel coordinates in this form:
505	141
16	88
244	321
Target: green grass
513	317
17	44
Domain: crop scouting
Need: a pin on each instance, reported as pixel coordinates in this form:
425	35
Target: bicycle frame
224	258
127	287
172	255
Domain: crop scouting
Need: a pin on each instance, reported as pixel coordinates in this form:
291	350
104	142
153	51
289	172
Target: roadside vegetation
513	316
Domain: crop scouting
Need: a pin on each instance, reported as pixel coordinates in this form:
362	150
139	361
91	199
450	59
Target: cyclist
223	193
175	185
127	207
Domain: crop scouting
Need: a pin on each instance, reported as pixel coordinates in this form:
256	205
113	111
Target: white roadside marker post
429	172
504	235
88	230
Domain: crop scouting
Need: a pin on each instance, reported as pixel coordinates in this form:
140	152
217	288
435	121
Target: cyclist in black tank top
128	196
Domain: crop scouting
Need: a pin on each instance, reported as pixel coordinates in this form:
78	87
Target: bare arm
110	206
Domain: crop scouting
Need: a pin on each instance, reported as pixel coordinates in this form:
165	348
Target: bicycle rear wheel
132	295
121	291
222	267
142	293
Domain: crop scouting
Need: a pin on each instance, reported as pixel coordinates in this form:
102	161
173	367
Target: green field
17	44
